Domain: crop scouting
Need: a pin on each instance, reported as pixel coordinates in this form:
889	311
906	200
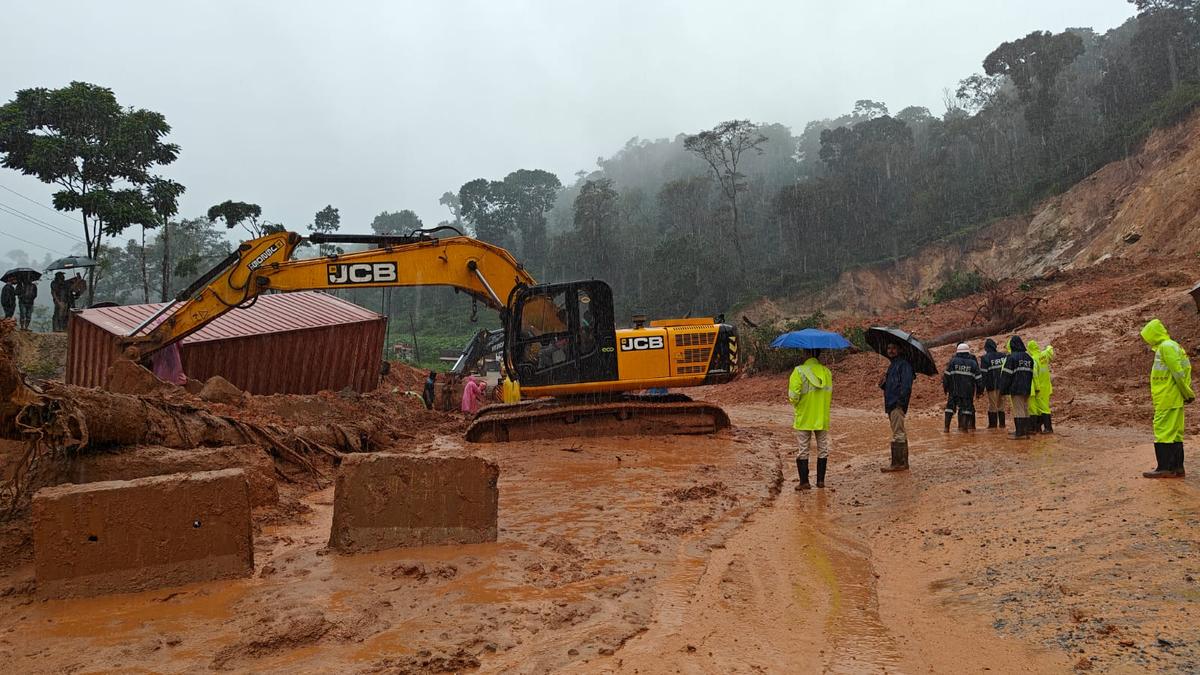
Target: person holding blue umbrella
810	391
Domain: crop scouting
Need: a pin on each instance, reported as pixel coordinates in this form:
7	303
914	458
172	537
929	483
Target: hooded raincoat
1016	377
1170	382
810	390
1039	396
991	362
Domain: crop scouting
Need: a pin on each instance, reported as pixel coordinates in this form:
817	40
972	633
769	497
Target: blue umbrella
810	338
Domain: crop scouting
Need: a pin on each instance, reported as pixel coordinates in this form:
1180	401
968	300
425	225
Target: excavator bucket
551	418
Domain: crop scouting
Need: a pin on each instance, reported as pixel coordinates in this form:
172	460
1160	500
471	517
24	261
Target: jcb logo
362	273
262	257
634	344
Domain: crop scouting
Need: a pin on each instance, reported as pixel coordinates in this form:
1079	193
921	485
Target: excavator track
552	418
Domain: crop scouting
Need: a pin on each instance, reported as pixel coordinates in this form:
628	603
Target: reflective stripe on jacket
963	378
1171	374
1016	377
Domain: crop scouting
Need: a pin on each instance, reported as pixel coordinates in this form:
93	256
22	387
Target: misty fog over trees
710	218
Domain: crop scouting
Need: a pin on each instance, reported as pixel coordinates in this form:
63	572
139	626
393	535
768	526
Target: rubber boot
962	423
991	420
949	416
1047	423
1018	429
1177	459
802	469
899	458
1000	419
1163	456
971	421
822	462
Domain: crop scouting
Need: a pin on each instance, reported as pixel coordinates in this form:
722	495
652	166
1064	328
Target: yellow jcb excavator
577	372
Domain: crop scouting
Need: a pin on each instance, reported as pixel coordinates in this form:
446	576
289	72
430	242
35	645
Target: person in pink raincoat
472	393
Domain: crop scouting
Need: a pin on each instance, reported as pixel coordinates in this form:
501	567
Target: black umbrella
910	347
19	274
71	262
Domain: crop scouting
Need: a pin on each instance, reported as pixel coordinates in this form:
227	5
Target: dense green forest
696	224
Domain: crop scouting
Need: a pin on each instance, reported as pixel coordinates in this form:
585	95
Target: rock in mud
219	390
127	377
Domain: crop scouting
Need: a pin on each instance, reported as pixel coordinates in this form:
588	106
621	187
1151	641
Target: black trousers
960	404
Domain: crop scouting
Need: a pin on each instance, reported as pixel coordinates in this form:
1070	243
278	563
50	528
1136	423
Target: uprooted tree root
1004	308
57	420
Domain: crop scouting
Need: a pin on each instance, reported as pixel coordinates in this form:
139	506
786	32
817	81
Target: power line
4	208
50	250
56	212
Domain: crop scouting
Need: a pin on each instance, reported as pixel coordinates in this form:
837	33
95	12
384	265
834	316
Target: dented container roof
274	313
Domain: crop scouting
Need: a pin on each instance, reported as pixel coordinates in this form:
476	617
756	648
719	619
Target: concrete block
157	461
383	501
127	536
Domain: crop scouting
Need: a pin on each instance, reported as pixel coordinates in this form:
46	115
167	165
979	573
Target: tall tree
400	222
722	148
529	194
249	216
450	201
163	196
1033	64
326	221
596	222
80	139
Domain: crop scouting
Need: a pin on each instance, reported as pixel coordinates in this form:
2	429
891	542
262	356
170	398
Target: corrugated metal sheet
292	343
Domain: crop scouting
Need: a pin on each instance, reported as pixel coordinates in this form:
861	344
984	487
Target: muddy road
696	555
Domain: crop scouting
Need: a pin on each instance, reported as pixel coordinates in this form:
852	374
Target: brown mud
668	554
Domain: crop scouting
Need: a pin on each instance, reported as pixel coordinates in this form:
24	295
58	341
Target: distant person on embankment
897	390
1016	380
1039	398
1171	389
26	295
991	362
810	391
427	392
8	299
962	382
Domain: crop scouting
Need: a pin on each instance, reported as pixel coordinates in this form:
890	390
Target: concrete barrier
126	536
384	501
142	462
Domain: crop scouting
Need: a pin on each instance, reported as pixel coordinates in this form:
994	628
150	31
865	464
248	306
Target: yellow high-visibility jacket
1171	374
810	390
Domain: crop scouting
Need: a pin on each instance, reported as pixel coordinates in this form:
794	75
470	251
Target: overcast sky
373	106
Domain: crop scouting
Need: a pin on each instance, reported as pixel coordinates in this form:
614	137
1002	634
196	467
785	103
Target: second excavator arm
486	272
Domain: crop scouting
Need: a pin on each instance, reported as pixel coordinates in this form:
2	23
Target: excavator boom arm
486	272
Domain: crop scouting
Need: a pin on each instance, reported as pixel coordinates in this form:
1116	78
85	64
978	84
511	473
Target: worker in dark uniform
8	299
427	393
897	390
60	293
962	382
991	362
1016	380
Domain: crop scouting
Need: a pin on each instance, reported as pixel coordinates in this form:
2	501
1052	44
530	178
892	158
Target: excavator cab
562	334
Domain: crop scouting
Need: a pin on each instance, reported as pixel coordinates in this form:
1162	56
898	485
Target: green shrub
959	285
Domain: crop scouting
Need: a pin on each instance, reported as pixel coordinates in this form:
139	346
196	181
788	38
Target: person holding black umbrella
26	295
897	389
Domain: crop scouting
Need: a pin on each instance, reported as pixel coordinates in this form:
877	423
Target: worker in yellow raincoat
1171	389
1039	398
810	391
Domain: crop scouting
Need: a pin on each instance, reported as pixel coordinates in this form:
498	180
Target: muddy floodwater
695	554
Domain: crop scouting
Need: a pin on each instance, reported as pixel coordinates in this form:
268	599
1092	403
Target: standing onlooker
962	382
26	295
427	392
1039	398
8	299
60	293
1170	389
1016	380
991	363
810	391
897	389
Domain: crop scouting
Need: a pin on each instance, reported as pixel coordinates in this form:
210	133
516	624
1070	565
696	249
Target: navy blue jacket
1016	378
963	379
897	385
991	362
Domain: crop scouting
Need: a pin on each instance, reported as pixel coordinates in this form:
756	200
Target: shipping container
287	343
